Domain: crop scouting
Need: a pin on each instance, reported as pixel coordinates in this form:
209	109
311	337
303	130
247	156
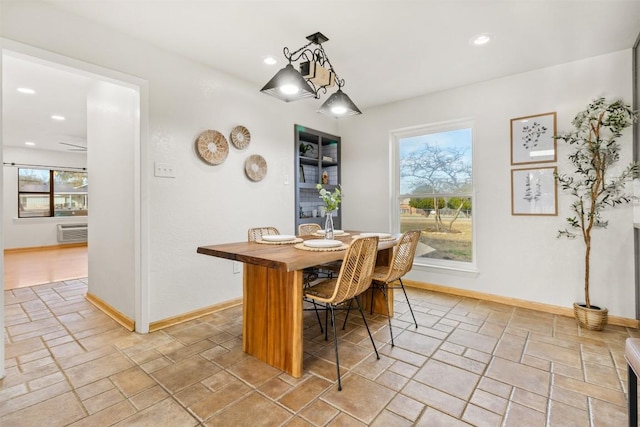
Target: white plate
335	232
322	243
278	238
380	235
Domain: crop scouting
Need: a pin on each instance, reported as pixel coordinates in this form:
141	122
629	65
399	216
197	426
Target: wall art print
534	191
532	139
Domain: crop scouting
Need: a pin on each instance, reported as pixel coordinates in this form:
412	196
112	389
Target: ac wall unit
72	233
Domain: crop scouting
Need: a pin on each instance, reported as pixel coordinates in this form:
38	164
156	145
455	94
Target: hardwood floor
36	266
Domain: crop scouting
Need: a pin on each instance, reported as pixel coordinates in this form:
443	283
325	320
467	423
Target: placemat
307	248
286	242
386	239
315	233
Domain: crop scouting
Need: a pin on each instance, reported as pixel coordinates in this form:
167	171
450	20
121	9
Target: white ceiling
28	117
385	50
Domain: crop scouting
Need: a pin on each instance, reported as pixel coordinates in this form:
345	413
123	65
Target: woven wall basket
594	318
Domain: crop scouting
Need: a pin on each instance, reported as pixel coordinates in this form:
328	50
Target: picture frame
302	177
532	139
534	191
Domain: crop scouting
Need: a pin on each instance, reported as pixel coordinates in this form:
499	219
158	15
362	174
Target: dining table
272	294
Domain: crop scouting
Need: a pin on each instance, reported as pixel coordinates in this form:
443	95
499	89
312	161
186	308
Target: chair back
257	233
403	254
356	270
308	229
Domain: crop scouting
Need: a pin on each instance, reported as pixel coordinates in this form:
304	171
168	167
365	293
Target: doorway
44	129
106	88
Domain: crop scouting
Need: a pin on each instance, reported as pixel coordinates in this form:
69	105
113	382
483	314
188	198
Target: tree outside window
435	194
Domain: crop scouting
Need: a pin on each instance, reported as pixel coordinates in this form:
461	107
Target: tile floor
469	363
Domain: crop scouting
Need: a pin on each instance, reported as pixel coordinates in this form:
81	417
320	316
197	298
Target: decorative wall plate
212	147
240	137
255	167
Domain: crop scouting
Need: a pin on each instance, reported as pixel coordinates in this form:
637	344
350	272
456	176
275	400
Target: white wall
33	232
517	256
204	204
112	122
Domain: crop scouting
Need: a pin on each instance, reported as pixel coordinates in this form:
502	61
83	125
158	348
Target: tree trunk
587	256
456	215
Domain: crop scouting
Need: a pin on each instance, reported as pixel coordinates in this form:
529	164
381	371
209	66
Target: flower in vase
331	200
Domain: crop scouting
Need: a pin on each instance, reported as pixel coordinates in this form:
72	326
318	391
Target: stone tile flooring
469	363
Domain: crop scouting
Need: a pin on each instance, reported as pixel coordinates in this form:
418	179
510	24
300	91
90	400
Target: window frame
395	136
51	193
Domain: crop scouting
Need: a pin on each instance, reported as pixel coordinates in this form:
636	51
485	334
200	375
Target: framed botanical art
534	191
532	139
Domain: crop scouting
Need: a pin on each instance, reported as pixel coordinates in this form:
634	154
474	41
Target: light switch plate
164	170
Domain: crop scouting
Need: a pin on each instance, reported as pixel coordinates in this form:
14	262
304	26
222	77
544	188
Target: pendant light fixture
315	76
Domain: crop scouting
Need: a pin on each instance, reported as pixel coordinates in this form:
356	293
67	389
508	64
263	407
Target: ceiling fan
77	147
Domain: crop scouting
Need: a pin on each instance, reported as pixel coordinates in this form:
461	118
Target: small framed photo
534	191
532	139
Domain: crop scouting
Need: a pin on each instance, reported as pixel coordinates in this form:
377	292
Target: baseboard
128	323
165	323
45	248
546	308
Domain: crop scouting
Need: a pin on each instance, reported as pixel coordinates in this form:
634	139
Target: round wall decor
212	147
255	167
240	137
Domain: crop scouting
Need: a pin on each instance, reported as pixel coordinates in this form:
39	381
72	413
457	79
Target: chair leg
408	303
344	324
367	326
632	385
335	344
326	324
383	289
315	307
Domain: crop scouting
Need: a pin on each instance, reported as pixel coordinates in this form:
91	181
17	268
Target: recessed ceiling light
26	90
481	39
57	117
29	143
270	60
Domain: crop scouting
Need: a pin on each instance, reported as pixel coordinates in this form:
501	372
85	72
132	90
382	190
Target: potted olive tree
593	184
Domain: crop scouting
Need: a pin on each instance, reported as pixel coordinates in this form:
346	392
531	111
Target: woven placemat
386	239
335	235
302	246
285	242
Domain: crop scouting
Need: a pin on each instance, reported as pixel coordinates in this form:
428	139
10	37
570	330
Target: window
434	192
48	193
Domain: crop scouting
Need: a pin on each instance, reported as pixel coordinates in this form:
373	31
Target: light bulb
338	109
289	89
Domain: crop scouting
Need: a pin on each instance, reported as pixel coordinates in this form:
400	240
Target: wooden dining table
273	294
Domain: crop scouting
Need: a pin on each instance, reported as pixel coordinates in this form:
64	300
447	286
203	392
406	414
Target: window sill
470	271
52	219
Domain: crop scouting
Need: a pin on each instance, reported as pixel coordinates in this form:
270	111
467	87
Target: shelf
308	161
307	185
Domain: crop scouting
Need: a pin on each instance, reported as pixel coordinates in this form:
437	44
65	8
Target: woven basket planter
594	318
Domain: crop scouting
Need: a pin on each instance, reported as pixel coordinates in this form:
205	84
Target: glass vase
328	225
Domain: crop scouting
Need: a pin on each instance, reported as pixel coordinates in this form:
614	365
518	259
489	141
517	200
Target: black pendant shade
338	105
288	85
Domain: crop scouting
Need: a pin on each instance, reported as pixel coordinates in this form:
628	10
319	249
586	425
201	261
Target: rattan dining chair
257	233
401	263
308	229
354	278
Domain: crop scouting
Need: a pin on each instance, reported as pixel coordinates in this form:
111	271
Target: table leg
272	317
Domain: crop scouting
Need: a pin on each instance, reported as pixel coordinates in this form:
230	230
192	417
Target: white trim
51	219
